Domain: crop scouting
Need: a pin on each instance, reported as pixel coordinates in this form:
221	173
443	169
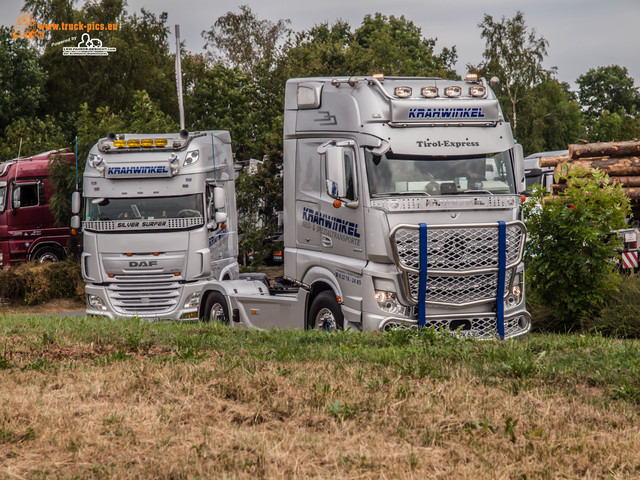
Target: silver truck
159	223
401	209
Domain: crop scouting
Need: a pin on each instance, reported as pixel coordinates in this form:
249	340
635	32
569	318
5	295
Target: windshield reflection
393	174
147	208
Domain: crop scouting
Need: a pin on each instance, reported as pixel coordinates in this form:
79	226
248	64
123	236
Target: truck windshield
184	206
396	174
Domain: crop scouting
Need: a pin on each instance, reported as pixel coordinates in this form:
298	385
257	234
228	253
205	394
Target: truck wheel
216	309
48	254
325	313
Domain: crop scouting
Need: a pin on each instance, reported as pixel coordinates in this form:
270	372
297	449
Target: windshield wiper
401	194
462	192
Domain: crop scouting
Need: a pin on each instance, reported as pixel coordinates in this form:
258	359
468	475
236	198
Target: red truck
27	226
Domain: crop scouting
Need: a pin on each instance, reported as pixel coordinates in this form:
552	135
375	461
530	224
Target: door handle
326	241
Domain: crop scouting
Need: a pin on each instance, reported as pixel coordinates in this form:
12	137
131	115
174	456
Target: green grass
587	359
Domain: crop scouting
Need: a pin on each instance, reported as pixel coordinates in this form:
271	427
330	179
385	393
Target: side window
349	162
211	211
25	195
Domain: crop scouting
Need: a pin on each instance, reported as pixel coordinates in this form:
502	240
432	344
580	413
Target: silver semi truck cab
401	209
159	223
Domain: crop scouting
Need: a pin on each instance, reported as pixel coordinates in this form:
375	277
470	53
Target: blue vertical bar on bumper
422	284
502	265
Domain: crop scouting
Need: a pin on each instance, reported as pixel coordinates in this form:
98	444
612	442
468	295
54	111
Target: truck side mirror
221	217
75	222
336	175
219	200
76	203
518	169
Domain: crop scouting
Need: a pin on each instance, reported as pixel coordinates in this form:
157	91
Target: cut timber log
553	161
613	166
605	149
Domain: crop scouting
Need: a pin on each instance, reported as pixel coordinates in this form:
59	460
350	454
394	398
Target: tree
570	247
29	136
242	41
550	118
21	79
608	88
514	54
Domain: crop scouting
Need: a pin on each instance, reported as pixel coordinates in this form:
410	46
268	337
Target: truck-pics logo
446	112
331	226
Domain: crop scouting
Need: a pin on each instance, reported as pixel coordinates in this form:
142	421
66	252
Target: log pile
620	160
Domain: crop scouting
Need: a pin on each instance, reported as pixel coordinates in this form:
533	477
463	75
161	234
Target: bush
620	316
570	249
32	283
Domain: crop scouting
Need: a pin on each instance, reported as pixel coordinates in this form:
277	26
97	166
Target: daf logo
142	263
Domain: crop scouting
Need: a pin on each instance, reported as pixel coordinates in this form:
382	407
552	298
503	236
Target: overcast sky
582	34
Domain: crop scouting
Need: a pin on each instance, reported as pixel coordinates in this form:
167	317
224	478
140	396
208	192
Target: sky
582	34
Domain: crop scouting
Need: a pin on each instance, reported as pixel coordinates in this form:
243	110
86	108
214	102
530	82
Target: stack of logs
620	160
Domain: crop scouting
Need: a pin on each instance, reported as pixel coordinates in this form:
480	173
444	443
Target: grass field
89	398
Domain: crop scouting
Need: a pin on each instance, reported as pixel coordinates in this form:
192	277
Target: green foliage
608	88
570	248
30	136
620	315
21	79
389	45
612	127
242	41
514	54
550	118
31	284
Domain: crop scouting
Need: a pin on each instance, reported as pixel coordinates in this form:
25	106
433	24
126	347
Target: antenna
179	78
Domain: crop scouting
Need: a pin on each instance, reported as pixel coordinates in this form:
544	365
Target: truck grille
482	326
133	298
462	261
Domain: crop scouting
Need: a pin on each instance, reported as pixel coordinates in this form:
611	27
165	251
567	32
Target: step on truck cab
401	209
28	230
159	222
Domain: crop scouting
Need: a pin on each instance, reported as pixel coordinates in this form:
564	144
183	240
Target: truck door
343	235
26	218
308	191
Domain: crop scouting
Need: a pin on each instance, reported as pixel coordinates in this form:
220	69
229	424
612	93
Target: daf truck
159	223
28	230
401	209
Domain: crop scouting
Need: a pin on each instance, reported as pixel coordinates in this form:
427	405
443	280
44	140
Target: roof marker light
133	143
378	76
402	92
453	91
161	142
430	92
146	142
471	77
119	143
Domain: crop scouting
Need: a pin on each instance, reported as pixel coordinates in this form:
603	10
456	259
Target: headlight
193	301
96	302
388	302
454	91
402	92
192	157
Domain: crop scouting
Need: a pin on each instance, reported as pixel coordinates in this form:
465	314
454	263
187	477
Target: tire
48	254
216	309
325	313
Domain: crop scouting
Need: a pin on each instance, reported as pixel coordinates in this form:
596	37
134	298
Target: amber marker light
223	226
337	203
523	198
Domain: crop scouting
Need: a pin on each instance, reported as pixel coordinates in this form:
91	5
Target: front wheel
48	254
325	313
216	309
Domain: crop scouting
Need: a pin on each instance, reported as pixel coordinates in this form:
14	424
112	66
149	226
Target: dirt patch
58	305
